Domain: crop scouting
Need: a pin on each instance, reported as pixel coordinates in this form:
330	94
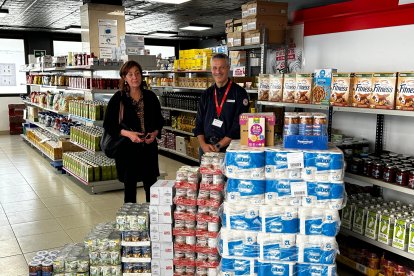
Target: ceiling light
164	34
76	29
4	12
197	27
170	1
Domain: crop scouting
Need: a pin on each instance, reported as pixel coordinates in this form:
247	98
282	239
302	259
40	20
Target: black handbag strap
121	112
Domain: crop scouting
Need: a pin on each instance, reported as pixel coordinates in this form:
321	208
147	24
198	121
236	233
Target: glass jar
368	167
389	173
377	170
411	180
402	175
357	166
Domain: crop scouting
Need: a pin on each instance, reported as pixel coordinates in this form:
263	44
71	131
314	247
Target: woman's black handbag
109	144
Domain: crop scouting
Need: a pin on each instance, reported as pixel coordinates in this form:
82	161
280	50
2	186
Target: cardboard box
273	36
156	250
162	250
161	232
167	268
233	25
270	120
405	91
362	90
264	22
132	39
33	113
322	80
161	213
289	88
275	88
162	192
258	8
235	39
155	267
263	88
341	89
180	144
245	10
303	88
256	135
383	90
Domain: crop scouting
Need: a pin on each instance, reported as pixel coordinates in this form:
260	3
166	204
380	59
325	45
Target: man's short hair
221	56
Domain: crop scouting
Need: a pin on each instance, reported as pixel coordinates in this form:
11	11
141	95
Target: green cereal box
400	239
347	215
360	218
386	228
411	238
372	225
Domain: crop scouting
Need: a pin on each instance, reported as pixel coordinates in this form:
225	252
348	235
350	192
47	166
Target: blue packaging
245	163
238	243
279	219
316	249
305	142
277	247
317	221
277	268
313	269
325	195
239	266
245	191
241	217
324	166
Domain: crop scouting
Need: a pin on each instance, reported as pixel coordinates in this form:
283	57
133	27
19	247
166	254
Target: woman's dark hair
123	85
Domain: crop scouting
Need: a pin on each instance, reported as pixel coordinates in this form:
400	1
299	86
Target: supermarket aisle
43	209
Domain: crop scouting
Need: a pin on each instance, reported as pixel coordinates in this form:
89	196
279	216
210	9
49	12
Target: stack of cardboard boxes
188	146
160	210
258	17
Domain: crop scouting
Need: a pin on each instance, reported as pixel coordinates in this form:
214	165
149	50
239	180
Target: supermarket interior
281	131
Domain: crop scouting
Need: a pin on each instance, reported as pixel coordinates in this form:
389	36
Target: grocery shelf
141	243
39	149
135	260
136	274
297	105
178	109
46	108
363	180
377	244
94	90
176	71
85	148
178	130
94	67
46	86
179	87
246	47
374	111
86	120
251	91
178	153
50	130
357	266
157	71
98	186
54	69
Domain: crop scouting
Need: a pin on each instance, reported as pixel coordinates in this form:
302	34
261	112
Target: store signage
39	53
239	71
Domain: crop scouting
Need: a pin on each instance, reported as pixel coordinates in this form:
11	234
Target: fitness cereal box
303	88
383	90
341	89
362	90
289	88
275	87
405	91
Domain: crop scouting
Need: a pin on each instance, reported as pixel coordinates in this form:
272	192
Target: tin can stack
72	259
160	211
132	220
281	211
42	263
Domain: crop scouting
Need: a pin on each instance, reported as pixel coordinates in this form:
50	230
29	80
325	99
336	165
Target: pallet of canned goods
42	262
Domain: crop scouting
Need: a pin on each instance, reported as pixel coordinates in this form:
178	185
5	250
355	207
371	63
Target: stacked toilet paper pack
280	215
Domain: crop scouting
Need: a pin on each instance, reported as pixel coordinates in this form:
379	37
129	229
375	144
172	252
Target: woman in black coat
137	158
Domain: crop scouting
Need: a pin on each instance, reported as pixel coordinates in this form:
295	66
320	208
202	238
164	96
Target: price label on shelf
299	188
44	140
295	160
361	268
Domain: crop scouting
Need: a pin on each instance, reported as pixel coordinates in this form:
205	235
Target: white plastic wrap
313	269
277	247
314	221
238	243
267	268
245	191
241	217
243	162
316	249
232	266
279	219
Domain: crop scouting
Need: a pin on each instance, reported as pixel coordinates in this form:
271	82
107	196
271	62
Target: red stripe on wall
354	15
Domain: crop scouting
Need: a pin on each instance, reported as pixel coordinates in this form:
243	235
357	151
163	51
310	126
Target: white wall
4	111
375	50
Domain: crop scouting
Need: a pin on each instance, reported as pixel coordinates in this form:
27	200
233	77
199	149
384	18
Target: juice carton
347	215
360	218
400	239
372	225
386	228
411	239
256	136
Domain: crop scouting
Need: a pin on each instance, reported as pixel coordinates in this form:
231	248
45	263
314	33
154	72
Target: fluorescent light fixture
163	33
75	29
4	12
197	27
170	1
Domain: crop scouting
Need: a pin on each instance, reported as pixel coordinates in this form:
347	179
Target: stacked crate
16	118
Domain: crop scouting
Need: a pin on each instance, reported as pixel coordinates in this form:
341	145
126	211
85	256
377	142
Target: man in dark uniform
219	108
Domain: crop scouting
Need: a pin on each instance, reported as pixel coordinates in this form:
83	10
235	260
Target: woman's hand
133	135
151	137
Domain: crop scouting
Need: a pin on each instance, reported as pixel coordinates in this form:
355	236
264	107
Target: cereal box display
405	91
383	90
362	90
263	92
341	89
289	88
275	88
321	90
303	88
256	136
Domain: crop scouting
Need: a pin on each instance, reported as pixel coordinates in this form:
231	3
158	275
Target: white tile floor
40	208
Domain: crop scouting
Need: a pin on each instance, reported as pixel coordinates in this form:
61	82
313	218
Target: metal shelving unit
50	130
179	109
86	120
387	112
98	186
54	163
378	244
363	180
178	153
46	108
295	105
46	86
94	90
178	130
177	88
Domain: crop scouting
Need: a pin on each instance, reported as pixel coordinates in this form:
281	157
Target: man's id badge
217	123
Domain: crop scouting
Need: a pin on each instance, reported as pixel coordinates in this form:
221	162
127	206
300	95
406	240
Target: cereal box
405	91
321	90
362	90
341	89
303	88
256	136
275	88
289	88
263	91
383	90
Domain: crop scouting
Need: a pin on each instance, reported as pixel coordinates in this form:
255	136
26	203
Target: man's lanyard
220	108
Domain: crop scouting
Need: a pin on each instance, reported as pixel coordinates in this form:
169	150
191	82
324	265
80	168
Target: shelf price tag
44	140
299	189
361	268
295	160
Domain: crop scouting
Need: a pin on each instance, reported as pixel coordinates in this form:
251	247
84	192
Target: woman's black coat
135	161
